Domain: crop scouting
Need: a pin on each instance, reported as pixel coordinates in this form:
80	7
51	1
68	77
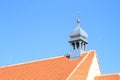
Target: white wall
94	69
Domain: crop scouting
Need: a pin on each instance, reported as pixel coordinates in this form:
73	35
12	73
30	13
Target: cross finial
78	19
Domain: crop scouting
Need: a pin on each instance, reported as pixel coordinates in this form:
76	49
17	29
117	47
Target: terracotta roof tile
50	69
82	71
108	77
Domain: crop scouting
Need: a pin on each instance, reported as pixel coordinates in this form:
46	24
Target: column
84	47
80	44
71	46
75	45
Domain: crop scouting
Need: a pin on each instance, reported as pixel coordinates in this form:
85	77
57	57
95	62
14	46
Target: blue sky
36	29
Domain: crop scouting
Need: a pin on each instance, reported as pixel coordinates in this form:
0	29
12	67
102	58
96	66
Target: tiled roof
60	68
108	77
49	69
82	70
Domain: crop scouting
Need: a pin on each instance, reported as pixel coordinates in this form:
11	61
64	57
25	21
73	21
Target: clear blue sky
35	29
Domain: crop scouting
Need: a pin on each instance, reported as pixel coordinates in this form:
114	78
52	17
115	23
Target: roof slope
49	69
60	68
108	77
82	70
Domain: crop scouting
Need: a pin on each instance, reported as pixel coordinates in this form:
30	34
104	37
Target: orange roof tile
50	69
82	70
108	77
60	68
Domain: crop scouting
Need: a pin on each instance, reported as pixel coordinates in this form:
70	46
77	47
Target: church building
78	64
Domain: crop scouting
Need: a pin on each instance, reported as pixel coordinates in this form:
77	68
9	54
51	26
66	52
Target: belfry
78	41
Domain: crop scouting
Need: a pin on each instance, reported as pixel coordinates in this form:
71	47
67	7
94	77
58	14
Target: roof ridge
30	61
78	64
109	74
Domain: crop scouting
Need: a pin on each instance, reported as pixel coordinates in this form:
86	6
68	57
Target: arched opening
73	44
77	45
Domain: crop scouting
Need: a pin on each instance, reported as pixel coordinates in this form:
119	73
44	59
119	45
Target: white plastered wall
94	69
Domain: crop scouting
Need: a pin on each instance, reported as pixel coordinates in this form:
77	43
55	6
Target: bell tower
78	41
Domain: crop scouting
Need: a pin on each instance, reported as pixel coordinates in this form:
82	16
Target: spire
78	18
78	32
78	23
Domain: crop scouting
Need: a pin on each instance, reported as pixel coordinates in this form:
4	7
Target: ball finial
78	20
